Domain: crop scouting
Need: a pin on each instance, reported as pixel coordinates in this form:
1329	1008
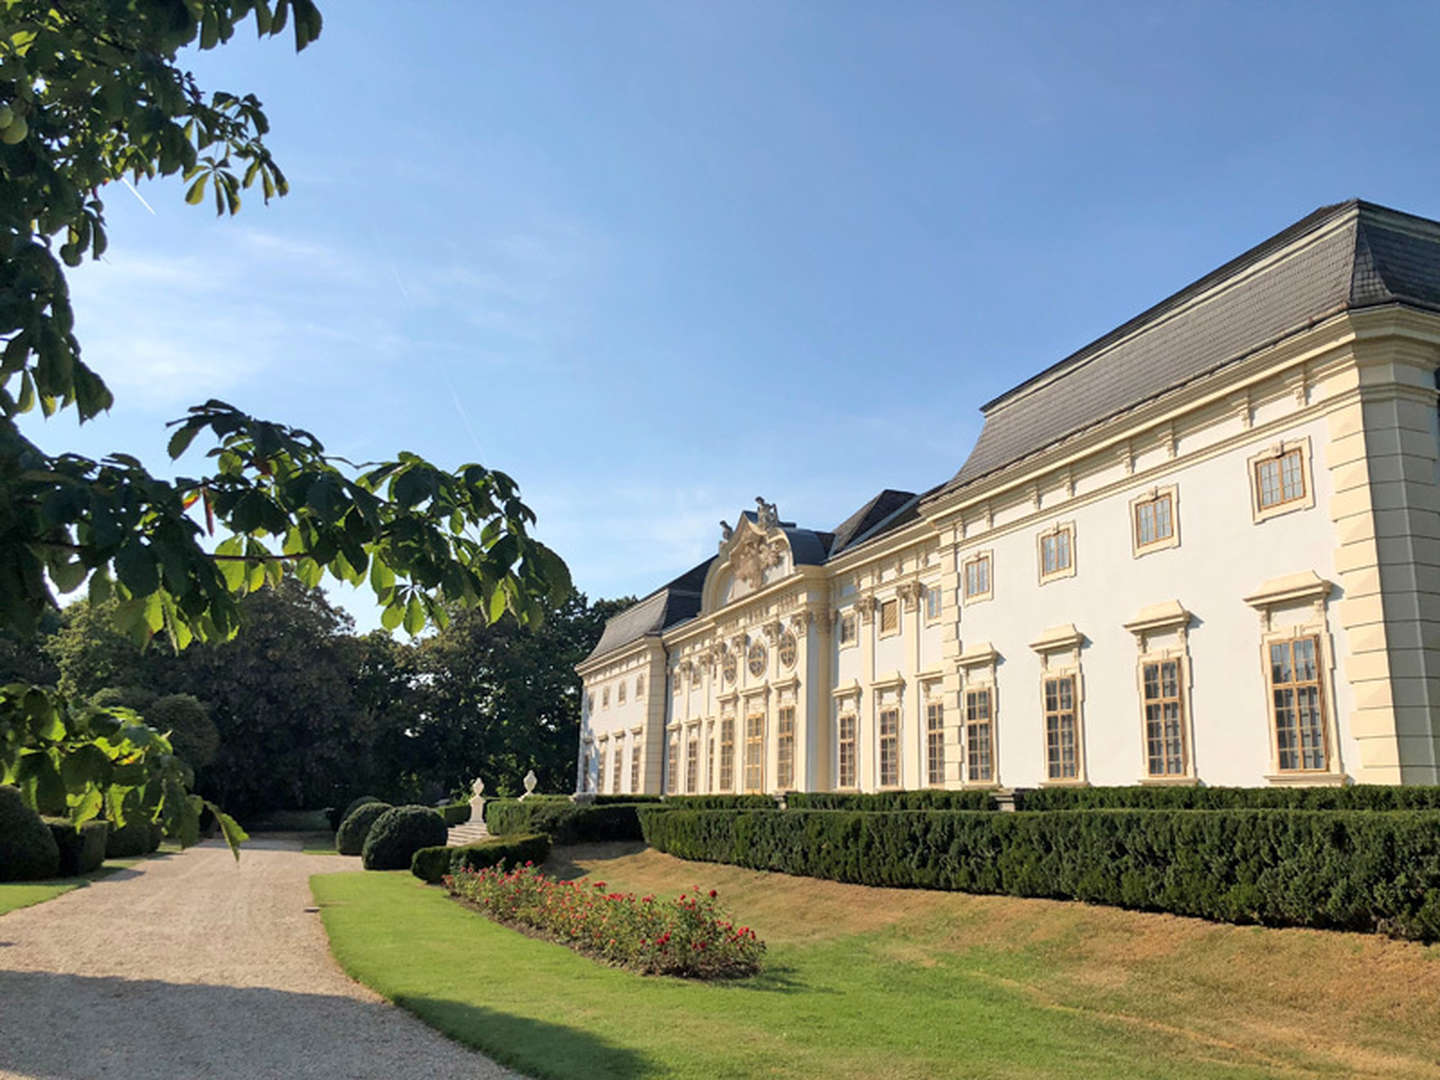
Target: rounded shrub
27	850
193	734
350	837
338	816
82	849
397	834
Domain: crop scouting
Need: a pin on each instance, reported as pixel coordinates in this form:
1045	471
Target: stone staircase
468	833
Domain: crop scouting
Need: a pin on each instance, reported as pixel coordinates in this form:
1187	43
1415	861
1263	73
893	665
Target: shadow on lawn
146	1028
564	861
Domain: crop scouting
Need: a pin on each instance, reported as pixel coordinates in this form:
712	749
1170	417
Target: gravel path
188	966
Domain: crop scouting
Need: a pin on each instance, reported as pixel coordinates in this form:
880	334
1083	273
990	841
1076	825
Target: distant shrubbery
81	850
433	863
566	822
687	936
27	849
1341	869
138	836
456	813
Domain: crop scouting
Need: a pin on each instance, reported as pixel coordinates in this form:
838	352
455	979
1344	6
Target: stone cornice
648	647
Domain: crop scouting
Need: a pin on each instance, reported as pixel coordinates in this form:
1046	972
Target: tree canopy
91	93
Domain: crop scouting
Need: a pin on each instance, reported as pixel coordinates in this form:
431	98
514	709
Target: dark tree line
307	713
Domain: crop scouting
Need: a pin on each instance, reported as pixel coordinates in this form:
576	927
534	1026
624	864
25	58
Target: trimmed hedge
1354	797
28	851
397	834
611	800
457	813
350	838
138	836
722	802
566	822
337	816
1338	869
81	850
924	799
433	863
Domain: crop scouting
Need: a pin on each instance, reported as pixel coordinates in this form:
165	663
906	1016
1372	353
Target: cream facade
1204	549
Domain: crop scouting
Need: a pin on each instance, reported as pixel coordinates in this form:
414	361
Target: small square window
1057	553
1280	480
1154	520
889	617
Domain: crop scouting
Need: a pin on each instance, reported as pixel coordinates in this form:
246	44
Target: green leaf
229	828
393	613
414	615
180	441
193	197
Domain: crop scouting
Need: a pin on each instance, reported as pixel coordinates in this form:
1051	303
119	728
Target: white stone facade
1233	582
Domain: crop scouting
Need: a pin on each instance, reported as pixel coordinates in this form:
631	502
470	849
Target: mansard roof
1343	257
662	609
859	525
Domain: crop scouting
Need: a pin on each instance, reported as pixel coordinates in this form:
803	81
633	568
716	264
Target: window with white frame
845	758
890	746
935	741
634	761
620	693
979	735
692	761
976	572
727	754
785	747
933	599
755	752
1057	553
672	765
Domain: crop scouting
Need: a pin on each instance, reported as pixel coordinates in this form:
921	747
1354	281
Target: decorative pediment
756	545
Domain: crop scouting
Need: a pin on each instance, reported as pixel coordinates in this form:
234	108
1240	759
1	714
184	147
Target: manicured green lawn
846	997
18	894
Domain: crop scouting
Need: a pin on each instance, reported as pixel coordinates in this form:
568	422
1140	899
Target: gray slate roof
1372	256
662	609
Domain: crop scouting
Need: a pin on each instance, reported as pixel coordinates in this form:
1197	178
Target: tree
91	93
498	699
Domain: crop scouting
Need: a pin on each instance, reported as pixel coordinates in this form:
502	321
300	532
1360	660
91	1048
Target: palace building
1202	549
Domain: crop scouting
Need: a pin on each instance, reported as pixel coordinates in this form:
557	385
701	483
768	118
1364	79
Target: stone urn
530	781
477	800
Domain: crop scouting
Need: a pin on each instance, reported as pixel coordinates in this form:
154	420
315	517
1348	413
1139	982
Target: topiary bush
610	800
1338	869
433	863
337	815
457	813
350	837
924	799
28	851
138	836
193	734
397	834
565	822
81	850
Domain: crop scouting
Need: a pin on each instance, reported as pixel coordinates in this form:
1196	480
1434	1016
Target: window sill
1074	782
1169	781
1306	779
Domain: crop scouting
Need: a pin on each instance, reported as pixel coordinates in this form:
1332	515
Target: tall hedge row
722	802
923	799
565	822
1354	797
1338	869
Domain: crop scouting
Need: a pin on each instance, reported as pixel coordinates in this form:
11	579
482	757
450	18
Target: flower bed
689	936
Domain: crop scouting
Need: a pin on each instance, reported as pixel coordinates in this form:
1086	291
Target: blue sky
654	260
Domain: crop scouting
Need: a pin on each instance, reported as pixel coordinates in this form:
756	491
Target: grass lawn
18	894
889	983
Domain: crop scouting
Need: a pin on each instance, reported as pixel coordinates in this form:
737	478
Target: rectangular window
604	757
890	747
755	753
847	628
672	763
935	742
605	698
1056	554
785	748
617	773
634	763
692	763
977	577
1164	718
585	771
710	762
639	687
979	736
933	600
889	617
1062	750
1280	480
846	774
620	694
727	755
1299	705
1154	521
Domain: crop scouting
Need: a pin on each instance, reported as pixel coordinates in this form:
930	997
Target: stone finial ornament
478	788
530	781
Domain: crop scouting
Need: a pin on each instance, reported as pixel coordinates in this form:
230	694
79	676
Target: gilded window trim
965	563
1154	494
1059	527
1307	474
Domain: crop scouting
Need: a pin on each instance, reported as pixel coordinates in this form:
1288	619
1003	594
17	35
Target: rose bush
688	936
